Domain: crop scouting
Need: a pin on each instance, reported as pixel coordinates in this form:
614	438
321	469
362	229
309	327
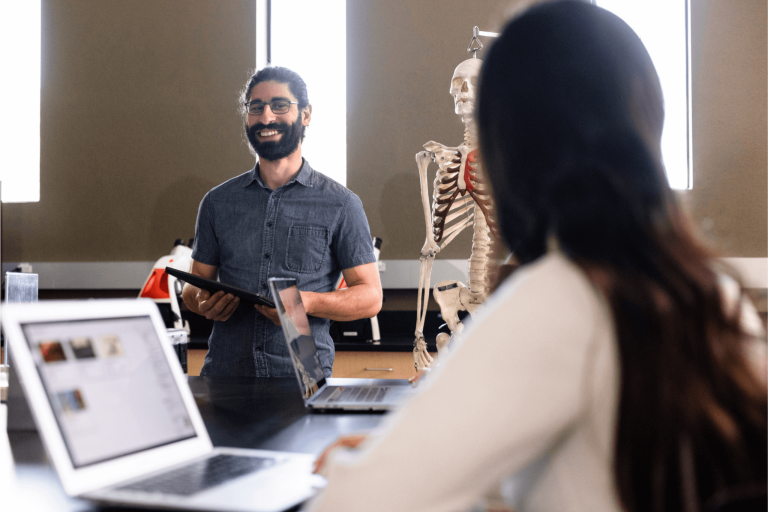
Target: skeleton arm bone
423	297
441	154
421	357
422	160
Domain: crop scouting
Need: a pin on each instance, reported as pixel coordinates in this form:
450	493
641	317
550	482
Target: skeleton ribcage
453	208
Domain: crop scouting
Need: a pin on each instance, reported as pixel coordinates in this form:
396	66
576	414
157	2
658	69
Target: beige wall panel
138	121
400	57
730	138
400	60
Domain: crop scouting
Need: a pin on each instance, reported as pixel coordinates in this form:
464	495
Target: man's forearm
353	303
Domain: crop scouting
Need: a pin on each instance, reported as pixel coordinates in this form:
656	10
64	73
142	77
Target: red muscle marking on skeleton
471	158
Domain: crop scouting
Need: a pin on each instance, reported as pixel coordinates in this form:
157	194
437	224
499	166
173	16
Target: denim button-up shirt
310	229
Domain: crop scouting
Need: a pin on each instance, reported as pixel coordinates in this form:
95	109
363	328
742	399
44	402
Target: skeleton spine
478	260
481	242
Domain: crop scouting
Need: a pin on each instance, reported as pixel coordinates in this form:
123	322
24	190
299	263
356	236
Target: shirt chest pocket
306	248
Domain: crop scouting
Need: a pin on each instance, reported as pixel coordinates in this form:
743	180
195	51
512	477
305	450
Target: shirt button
269	224
266	256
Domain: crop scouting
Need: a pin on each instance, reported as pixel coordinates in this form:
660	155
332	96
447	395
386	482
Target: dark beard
275	150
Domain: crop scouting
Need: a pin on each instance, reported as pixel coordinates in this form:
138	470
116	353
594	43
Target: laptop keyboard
201	475
359	394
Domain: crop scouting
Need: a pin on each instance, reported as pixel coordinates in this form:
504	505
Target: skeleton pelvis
452	297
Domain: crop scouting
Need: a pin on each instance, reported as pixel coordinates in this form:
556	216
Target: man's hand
268	312
218	306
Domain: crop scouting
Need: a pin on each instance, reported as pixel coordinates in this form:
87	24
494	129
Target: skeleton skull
464	84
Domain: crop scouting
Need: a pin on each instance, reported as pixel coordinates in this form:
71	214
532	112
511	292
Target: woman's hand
415	379
344	441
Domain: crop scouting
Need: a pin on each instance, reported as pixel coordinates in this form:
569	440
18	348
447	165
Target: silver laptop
119	421
319	392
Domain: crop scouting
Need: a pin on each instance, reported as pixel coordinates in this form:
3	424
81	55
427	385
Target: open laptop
118	419
319	392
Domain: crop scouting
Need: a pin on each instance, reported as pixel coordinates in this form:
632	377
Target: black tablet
214	286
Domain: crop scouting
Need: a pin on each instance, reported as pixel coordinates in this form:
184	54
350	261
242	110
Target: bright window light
20	27
310	37
662	26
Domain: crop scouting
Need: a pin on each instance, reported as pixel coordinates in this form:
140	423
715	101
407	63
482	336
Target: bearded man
280	219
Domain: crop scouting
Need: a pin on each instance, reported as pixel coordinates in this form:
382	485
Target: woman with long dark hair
618	368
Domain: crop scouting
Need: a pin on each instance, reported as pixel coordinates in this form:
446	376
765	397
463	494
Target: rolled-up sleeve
206	247
351	244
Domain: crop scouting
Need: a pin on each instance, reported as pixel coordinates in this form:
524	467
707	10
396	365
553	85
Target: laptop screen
110	386
298	335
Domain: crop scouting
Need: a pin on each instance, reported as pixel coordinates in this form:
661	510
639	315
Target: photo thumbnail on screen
52	351
82	348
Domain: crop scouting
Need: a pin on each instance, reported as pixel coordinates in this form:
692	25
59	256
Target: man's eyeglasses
277	106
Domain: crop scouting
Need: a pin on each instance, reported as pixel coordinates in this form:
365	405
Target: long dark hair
570	116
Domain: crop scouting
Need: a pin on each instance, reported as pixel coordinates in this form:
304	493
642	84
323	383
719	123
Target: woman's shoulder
551	292
553	275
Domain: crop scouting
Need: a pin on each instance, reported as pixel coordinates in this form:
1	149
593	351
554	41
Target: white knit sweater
532	390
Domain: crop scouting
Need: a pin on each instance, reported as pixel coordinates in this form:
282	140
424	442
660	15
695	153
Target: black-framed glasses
277	106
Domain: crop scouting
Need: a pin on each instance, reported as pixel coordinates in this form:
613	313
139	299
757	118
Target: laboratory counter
245	412
396	332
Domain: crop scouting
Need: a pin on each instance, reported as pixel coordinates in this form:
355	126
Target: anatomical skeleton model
460	200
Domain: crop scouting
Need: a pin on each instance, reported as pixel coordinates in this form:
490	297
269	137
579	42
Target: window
20	30
310	38
663	26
